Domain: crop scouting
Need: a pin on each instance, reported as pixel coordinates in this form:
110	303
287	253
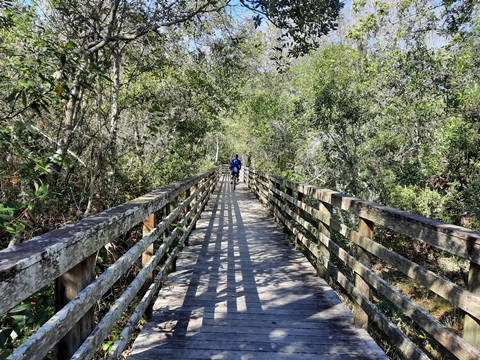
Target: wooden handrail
61	254
309	212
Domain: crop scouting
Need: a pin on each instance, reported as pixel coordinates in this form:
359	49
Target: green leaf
41	168
19	319
12	96
20	308
107	345
24	98
12	231
24	84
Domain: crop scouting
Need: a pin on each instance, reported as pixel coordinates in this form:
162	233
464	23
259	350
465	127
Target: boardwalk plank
242	292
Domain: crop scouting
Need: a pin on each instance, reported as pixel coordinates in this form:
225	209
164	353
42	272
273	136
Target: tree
304	22
75	73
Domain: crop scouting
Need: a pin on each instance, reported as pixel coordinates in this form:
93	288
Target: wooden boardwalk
242	292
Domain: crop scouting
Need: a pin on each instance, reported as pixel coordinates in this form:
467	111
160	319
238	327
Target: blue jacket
235	165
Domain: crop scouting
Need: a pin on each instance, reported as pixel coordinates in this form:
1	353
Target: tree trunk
114	117
56	160
217	151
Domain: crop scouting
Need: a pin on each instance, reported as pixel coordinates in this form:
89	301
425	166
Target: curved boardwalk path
242	292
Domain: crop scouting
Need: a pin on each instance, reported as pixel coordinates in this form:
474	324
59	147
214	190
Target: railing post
210	186
300	197
289	192
148	225
271	196
197	198
276	186
186	195
256	186
164	213
324	228
288	189
252	183
200	194
471	327
172	205
67	286
262	189
365	228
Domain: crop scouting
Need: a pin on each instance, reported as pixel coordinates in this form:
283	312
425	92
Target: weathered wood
458	296
197	198
126	333
269	189
402	343
457	240
451	341
365	228
148	225
454	239
110	319
276	187
38	345
88	348
172	205
448	290
67	287
186	195
135	318
455	294
29	266
300	196
231	296
396	338
442	334
437	330
471	327
324	228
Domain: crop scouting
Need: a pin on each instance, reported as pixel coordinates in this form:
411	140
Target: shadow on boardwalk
242	292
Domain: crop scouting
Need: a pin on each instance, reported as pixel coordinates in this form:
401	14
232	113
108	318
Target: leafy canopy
303	22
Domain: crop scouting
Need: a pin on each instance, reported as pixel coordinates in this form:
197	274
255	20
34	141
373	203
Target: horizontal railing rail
321	222
67	257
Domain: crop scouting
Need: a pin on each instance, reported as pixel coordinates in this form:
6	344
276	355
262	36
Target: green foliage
35	77
389	111
384	116
417	200
303	22
24	319
26	199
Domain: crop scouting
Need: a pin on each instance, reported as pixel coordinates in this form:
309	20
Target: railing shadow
351	243
248	295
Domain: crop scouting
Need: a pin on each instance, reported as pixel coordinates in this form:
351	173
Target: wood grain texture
38	345
31	265
455	239
242	292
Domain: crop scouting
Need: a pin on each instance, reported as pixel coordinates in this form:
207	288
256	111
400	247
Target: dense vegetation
116	98
386	109
103	101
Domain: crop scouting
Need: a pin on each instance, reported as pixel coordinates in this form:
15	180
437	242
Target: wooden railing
67	256
337	233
